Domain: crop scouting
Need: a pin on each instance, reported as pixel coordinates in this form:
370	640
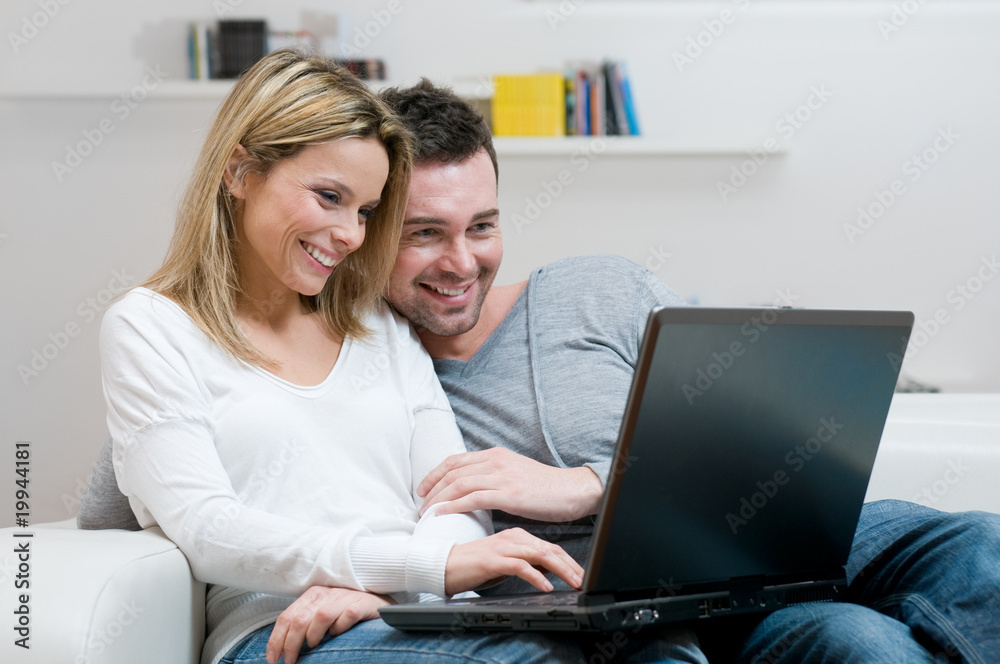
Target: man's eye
424	232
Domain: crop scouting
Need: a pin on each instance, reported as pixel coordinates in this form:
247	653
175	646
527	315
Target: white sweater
270	487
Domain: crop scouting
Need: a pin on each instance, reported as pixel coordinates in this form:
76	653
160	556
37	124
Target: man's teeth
450	292
319	256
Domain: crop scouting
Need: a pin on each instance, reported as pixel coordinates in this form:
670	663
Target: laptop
741	466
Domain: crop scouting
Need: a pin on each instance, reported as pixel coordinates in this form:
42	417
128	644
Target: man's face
451	248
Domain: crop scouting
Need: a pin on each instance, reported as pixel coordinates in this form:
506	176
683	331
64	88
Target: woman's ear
233	176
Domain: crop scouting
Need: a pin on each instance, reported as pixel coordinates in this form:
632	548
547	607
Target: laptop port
503	619
703	610
721	604
489	619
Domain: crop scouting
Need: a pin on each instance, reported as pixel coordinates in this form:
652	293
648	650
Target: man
538	374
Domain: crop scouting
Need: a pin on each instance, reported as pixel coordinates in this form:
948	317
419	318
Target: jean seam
967	650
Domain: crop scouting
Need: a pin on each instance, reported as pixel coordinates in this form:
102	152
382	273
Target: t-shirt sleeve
650	293
103	506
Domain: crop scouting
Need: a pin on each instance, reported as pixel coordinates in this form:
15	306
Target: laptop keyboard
554	598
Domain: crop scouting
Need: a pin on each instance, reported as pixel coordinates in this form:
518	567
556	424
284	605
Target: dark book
241	43
617	121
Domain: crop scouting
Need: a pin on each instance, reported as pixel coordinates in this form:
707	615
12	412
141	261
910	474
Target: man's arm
501	479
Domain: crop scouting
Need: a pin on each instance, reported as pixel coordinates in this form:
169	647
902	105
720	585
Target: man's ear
233	175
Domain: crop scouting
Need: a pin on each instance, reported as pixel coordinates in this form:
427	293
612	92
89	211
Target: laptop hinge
596	599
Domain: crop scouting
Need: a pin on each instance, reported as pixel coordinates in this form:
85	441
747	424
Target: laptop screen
747	445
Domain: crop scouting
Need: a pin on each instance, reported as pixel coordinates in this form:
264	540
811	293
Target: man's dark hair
445	126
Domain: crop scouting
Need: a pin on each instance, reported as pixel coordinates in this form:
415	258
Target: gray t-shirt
551	381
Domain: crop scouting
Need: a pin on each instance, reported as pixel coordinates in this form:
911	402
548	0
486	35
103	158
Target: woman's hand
318	611
512	552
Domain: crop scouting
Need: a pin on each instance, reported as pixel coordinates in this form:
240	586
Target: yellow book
529	105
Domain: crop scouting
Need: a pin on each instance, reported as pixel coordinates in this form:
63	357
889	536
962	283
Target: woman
268	411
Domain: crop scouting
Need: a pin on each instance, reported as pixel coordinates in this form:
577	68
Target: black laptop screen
748	449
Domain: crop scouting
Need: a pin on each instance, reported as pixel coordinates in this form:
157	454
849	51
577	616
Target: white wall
62	241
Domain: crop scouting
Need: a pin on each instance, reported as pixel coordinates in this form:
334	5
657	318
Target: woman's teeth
320	257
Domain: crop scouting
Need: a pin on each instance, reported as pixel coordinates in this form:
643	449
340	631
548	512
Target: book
597	110
627	101
241	44
617	122
199	52
529	105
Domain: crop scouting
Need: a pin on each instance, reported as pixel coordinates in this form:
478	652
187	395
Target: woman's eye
331	196
366	214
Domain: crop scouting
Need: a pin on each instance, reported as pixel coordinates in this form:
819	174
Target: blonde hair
288	100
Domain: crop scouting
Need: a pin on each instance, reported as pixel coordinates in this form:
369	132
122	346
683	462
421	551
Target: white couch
117	597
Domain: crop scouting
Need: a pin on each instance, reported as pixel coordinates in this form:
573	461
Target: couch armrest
101	597
940	450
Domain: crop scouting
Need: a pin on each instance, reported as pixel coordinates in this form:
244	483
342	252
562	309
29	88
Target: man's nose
458	257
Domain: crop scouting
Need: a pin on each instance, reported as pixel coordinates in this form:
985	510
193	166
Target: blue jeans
924	587
375	642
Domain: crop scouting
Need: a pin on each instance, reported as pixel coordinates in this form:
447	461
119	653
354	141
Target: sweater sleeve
435	437
166	462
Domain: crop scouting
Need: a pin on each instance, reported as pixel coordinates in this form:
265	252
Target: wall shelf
479	91
615	145
212	90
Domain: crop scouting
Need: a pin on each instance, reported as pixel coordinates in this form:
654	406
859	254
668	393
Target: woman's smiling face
307	214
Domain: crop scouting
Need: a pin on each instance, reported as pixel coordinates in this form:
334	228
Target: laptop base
569	614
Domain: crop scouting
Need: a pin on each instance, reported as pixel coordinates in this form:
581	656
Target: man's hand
500	479
512	552
318	611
